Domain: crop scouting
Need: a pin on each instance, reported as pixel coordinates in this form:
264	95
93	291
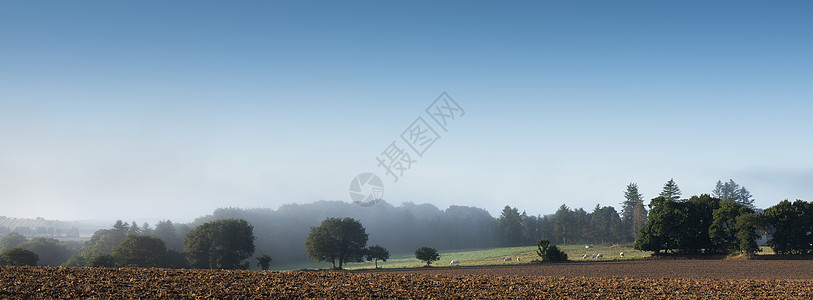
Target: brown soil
655	269
615	280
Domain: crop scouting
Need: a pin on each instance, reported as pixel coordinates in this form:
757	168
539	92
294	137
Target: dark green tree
174	260
723	231
530	228
747	223
791	225
18	257
666	228
606	225
101	260
548	252
337	239
140	251
510	226
699	218
377	253
427	254
564	224
221	244
264	261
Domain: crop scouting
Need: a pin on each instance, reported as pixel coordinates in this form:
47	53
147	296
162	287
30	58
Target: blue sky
155	110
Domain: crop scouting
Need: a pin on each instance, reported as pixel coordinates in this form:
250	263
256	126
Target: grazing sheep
508	258
600	255
622	254
454	262
517	258
586	256
594	255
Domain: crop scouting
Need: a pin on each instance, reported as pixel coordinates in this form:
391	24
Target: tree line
723	221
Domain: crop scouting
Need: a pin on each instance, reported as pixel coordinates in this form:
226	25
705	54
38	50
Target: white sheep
622	254
594	255
454	262
517	258
586	256
600	255
508	258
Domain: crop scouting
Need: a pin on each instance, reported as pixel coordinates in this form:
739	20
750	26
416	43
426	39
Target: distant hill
41	227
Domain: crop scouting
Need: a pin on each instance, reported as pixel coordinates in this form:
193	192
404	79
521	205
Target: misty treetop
671	190
731	191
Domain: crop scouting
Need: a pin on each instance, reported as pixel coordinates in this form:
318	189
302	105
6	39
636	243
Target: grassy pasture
484	257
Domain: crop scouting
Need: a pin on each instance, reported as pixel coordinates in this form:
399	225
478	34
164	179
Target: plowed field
612	280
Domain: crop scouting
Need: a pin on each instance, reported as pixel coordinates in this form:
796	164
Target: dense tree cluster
566	226
701	224
18	257
283	232
791	225
221	244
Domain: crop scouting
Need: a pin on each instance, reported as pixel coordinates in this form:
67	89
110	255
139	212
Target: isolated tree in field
11	240
18	257
264	261
140	251
221	244
377	253
548	252
671	191
342	239
427	254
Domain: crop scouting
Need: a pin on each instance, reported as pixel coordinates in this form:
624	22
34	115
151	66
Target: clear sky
170	109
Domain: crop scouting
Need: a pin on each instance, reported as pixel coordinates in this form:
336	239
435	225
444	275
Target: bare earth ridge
673	279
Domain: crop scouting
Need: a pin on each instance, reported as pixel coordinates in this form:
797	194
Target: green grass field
480	257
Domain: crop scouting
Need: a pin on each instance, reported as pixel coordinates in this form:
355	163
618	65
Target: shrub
548	252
